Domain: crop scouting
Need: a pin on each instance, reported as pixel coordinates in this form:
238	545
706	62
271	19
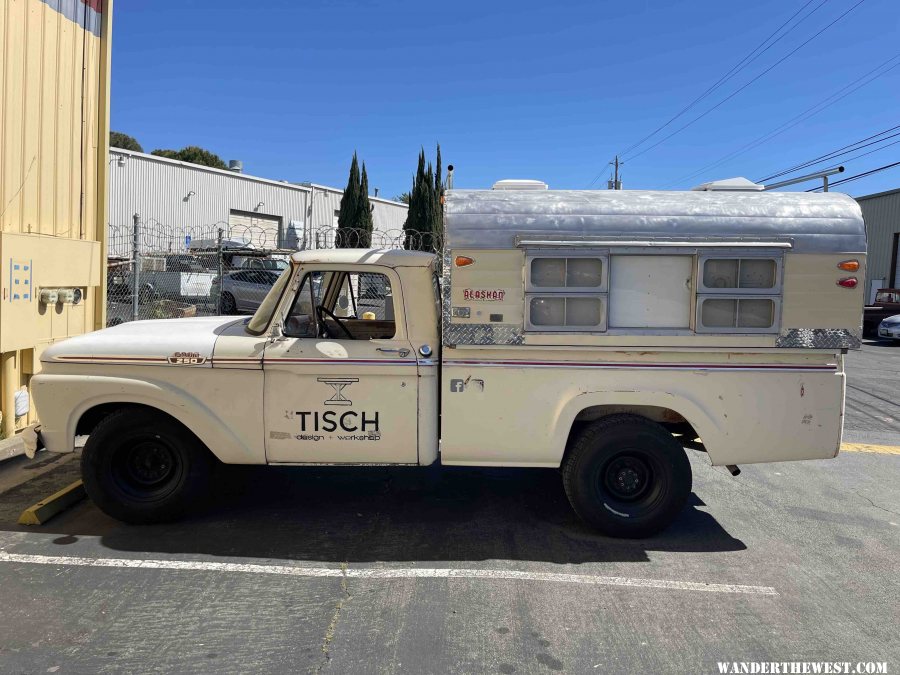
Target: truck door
341	382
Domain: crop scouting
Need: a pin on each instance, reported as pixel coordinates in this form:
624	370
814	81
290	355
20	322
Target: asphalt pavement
460	570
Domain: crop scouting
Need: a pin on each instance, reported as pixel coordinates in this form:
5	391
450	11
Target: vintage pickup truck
592	332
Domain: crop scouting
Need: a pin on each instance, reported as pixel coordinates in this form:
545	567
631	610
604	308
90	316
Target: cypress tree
364	222
425	212
437	227
349	210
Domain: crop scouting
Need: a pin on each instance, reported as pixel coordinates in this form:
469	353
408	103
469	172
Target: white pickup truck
587	331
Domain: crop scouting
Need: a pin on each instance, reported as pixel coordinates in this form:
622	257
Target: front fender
61	400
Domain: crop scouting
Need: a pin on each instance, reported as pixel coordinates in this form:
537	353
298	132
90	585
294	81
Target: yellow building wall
54	136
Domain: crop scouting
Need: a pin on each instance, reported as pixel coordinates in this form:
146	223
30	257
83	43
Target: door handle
402	351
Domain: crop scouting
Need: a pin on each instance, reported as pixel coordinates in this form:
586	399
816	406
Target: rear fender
704	424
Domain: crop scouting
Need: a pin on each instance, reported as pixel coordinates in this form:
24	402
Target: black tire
229	305
626	476
140	466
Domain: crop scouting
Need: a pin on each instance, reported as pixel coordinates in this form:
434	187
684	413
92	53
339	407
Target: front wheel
626	476
140	466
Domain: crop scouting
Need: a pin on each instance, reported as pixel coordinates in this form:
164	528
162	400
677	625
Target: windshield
260	320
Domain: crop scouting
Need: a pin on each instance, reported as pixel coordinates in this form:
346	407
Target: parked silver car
889	328
242	291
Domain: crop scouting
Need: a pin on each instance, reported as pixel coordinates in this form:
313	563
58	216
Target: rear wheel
627	476
140	466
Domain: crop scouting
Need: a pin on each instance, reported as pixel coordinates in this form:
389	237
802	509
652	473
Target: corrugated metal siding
326	203
882	216
49	126
158	190
54	127
389	217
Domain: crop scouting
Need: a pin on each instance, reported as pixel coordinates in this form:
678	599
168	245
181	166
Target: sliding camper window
739	294
566	292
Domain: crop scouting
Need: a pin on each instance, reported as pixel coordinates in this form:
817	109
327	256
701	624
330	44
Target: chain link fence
159	271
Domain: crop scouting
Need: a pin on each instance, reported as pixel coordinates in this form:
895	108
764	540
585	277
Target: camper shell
594	332
578	304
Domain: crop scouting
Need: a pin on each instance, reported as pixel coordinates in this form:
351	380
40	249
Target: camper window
566	293
739	295
585	273
567	312
743	275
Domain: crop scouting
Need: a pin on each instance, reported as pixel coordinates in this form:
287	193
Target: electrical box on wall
42	283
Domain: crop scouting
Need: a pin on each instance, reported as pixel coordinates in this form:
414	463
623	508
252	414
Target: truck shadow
353	514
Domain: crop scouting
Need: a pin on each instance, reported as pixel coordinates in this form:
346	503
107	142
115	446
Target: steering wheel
321	312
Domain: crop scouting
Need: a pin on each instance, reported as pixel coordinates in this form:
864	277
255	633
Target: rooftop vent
737	184
235	165
519	184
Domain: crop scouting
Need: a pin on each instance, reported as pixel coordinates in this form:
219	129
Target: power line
825	103
738	91
883	147
743	63
846	150
857	176
737	68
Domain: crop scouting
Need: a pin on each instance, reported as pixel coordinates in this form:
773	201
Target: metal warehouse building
177	203
881	212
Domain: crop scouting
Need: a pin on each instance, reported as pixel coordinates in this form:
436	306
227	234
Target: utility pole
615	184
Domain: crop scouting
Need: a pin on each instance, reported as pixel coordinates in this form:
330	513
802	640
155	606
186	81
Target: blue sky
510	89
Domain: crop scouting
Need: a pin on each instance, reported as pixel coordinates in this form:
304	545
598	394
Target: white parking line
384	573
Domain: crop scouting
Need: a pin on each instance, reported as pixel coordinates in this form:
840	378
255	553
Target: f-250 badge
186	359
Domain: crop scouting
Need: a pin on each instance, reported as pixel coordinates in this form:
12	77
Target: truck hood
145	342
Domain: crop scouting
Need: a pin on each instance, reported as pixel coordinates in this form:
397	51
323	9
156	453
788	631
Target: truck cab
349	359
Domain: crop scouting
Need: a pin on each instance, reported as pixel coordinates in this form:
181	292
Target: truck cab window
342	306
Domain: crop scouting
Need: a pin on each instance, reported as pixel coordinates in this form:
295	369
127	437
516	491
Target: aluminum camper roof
809	222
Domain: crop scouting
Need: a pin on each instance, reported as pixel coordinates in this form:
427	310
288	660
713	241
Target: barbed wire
179	270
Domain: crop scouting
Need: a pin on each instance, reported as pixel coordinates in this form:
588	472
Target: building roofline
210	169
878	194
300	187
327	188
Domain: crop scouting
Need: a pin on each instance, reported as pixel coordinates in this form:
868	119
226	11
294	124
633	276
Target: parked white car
890	328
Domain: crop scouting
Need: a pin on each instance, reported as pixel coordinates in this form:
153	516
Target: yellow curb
865	447
45	509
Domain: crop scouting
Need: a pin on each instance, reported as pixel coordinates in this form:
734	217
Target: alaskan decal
484	294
